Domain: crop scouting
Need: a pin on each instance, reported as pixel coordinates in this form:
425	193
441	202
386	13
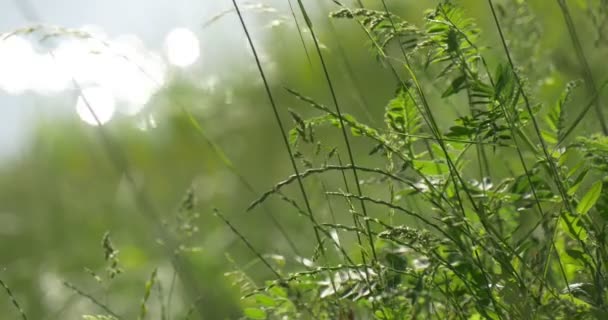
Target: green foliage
556	117
383	28
401	114
590	198
595	150
491	213
470	248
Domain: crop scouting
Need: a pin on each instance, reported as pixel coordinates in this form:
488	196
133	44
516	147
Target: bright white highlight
134	76
15	56
121	74
100	100
183	47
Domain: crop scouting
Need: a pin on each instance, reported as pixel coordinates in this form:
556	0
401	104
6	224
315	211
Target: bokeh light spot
102	103
183	47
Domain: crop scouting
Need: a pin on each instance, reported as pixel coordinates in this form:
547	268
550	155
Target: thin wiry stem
430	120
513	128
260	257
92	299
122	165
273	106
13	300
583	113
376	138
311	171
339	112
553	169
281	127
345	61
295	20
228	163
217	213
355	220
31	14
424	111
454	173
580	54
119	160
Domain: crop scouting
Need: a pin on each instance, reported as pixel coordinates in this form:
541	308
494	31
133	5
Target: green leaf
430	167
590	198
254	313
574	228
265	300
555	118
401	113
278	291
578	255
455	87
577	182
460	131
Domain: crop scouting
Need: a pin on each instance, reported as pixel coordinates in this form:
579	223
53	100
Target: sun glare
183	47
15	53
100	100
120	74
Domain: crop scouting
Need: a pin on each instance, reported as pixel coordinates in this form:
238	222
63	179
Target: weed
441	229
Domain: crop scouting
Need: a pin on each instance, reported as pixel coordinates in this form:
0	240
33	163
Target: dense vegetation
478	196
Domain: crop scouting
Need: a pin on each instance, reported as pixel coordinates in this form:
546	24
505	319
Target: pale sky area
39	73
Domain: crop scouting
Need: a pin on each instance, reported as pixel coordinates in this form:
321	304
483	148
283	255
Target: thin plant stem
580	54
280	126
342	124
13	300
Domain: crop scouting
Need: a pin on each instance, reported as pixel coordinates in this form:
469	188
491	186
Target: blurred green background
63	190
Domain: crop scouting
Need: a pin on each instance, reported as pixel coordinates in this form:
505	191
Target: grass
440	229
